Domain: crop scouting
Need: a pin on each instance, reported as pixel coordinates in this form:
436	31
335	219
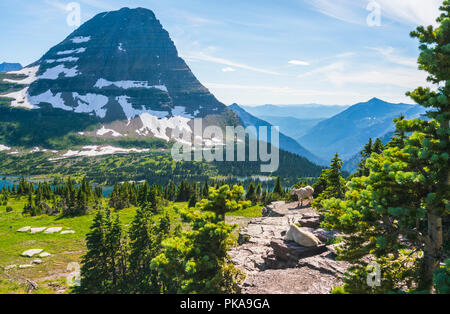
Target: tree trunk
432	251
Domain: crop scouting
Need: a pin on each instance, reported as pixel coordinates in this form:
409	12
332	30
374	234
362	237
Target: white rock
10	267
44	254
31	252
26	266
37	230
67	232
53	230
37	261
24	229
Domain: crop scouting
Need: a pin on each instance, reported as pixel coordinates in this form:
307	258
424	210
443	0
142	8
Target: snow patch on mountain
101	83
159	127
104	131
55	72
91	151
80	39
29	72
91	103
131	112
181	111
20	99
68	59
68	52
48	97
120	47
3	148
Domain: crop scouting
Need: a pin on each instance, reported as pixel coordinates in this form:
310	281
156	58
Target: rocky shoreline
276	266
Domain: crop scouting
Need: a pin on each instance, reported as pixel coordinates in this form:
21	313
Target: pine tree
251	193
94	269
394	216
278	188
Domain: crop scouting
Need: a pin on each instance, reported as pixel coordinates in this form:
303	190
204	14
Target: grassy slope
51	274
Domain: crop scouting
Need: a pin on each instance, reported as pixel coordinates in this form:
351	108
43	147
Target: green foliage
103	265
441	278
196	261
330	183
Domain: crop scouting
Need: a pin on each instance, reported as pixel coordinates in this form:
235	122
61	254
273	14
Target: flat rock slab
282	209
24	229
37	261
44	254
249	257
67	232
25	266
290	281
287	250
53	230
37	230
30	253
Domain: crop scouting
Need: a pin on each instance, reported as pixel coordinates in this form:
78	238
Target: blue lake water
9	184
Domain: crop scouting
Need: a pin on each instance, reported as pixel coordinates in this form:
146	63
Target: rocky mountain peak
120	66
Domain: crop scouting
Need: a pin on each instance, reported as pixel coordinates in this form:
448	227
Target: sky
255	52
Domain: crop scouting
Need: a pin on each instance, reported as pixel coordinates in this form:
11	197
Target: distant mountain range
347	132
292	127
7	67
308	111
286	143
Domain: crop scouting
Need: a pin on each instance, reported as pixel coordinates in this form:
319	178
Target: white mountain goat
301	237
306	192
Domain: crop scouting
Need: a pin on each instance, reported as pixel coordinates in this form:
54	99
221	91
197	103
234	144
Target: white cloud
333	67
228	69
392	56
264	94
204	57
298	62
415	12
405	78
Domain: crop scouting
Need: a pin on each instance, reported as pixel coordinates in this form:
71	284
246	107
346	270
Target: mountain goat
301	237
306	192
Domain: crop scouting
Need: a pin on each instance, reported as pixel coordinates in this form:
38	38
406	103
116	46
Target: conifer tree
94	274
395	215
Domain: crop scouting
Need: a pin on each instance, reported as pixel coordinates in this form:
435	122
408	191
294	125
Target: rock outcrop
274	265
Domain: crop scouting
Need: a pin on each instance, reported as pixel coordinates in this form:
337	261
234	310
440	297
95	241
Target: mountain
7	67
309	111
286	143
292	127
123	71
347	132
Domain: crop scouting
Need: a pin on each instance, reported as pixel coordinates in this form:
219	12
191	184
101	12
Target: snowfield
131	112
68	59
80	39
29	72
55	72
101	83
91	103
55	100
159	127
104	131
68	52
21	99
3	148
92	151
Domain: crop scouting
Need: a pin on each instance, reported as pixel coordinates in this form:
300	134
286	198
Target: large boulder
30	253
287	250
